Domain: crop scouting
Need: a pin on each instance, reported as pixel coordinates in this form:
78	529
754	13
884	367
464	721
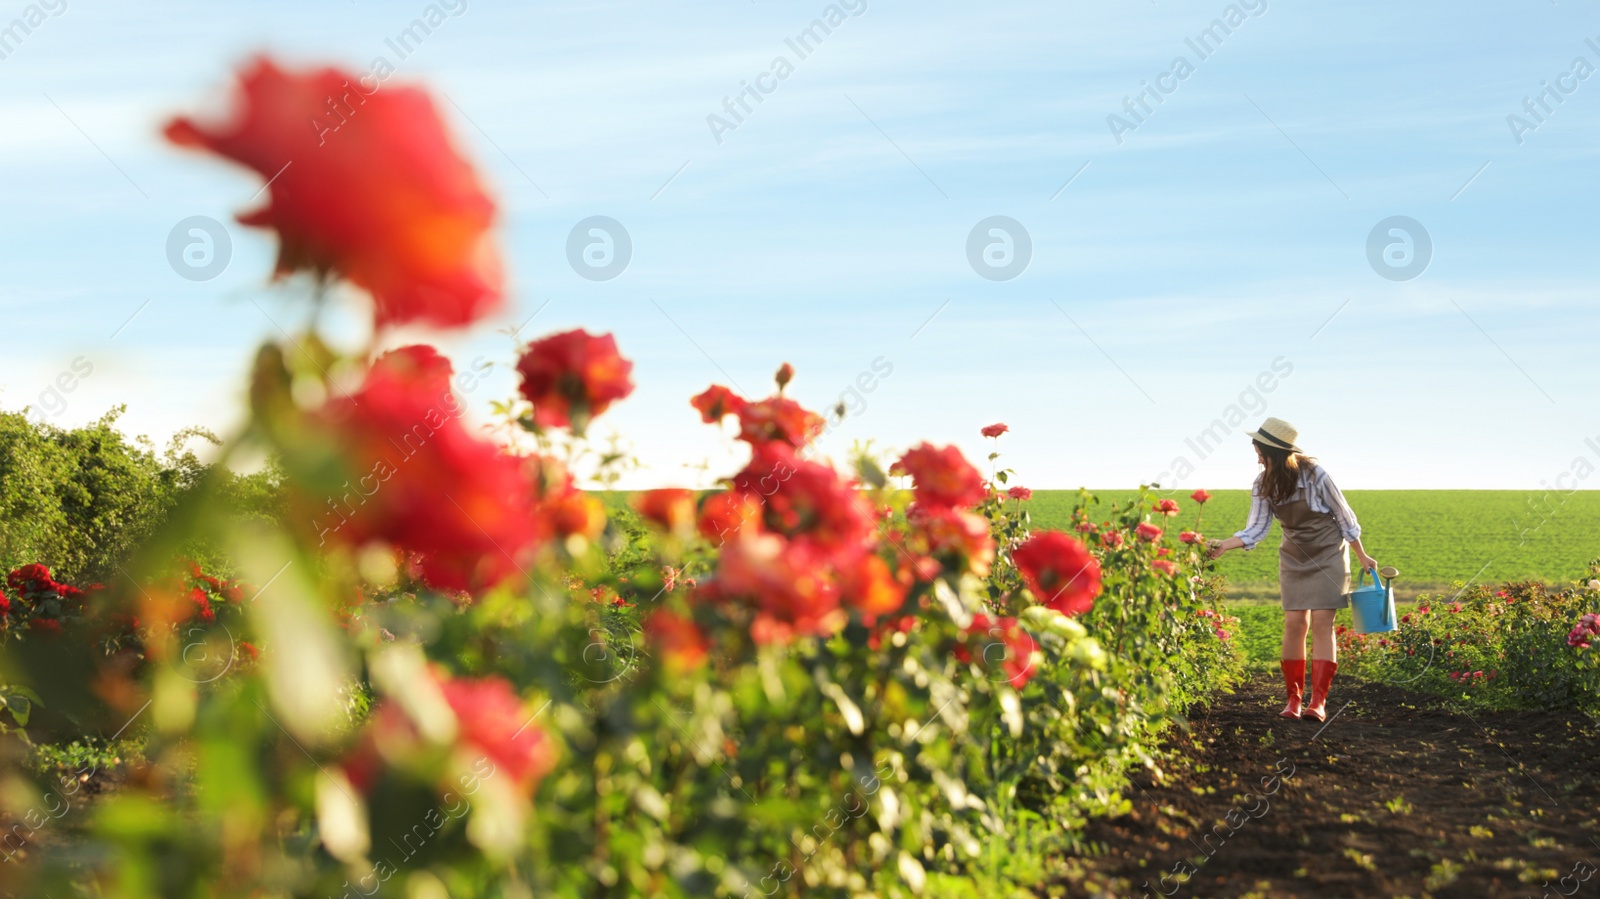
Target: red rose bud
1166	507
994	430
1200	496
784	376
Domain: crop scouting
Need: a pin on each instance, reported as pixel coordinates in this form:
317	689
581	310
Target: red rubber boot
1294	680
1322	672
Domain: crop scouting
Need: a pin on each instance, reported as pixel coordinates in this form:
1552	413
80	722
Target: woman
1313	563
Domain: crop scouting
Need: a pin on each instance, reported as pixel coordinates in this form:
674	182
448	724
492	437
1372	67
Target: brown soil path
1398	795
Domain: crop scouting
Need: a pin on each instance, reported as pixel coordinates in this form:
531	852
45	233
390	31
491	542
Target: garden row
1517	646
454	673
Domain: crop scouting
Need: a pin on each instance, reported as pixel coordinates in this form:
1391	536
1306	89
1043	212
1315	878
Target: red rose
1165	566
867	585
421	481
1001	640
48	627
1200	496
574	513
1189	537
682	646
995	430
1020	493
1059	570
778	420
941	477
202	605
493	721
492	724
1148	532
724	516
800	498
772	420
673	508
1112	539
953	539
558	503
573	377
1166	507
786	584
888	628
31	581
716	403
5	605
365	185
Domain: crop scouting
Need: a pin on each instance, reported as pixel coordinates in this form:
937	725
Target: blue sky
830	228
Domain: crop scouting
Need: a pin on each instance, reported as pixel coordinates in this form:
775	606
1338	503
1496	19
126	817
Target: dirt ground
1398	795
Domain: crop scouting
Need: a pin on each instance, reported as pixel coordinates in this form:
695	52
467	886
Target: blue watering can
1372	605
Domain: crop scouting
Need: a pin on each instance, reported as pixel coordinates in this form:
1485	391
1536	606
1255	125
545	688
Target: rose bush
476	679
1521	645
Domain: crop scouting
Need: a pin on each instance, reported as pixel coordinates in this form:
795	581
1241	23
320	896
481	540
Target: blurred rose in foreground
362	185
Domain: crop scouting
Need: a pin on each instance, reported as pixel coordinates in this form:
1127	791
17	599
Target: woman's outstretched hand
1222	546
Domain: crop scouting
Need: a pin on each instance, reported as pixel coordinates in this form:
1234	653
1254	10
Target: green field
1435	537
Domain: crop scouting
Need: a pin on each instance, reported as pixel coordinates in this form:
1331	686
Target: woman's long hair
1284	469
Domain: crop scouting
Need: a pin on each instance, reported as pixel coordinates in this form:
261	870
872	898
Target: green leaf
20	707
870	472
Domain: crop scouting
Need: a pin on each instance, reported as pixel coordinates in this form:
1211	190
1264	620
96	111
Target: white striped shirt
1323	496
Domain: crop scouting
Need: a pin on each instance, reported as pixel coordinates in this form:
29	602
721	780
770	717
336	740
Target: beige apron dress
1314	560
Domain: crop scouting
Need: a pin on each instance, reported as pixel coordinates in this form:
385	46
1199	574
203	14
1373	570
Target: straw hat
1279	433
